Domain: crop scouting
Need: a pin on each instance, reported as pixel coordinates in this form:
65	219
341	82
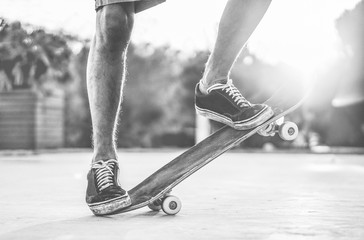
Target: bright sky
300	33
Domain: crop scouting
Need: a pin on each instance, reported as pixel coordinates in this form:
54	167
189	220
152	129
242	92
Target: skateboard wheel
155	206
171	205
288	131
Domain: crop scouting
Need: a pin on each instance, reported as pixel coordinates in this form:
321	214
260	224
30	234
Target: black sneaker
224	103
104	194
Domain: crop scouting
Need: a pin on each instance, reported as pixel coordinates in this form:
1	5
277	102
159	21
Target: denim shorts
140	5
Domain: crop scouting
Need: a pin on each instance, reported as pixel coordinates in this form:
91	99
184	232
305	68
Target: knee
114	26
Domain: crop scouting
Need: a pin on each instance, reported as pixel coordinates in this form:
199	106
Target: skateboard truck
286	130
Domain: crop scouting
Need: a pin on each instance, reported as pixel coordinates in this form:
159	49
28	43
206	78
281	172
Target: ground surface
237	196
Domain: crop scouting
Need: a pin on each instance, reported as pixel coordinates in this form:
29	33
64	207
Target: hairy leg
106	74
238	21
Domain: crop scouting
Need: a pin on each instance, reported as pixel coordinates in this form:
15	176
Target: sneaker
104	194
224	103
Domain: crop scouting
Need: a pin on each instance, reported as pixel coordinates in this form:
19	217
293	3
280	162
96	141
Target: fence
29	120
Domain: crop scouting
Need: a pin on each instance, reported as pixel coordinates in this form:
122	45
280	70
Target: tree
32	59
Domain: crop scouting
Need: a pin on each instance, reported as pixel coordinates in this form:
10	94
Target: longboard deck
284	101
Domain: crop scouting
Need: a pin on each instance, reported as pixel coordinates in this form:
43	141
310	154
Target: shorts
140	5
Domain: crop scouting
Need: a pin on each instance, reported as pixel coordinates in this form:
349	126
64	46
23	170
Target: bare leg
105	78
105	74
216	97
238	21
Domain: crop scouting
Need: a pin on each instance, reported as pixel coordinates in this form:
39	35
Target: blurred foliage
31	57
341	125
347	126
350	29
77	114
162	114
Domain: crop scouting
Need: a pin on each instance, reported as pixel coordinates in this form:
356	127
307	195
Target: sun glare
301	34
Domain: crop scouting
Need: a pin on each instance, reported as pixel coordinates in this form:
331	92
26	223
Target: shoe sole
110	206
247	124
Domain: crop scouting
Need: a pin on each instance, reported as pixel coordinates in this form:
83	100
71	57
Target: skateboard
155	190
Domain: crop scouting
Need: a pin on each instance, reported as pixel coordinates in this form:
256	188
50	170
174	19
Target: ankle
203	87
204	84
213	75
208	82
97	156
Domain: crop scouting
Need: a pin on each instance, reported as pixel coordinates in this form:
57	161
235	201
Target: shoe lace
235	94
104	173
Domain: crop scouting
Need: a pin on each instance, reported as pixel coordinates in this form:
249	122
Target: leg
238	21
105	74
105	79
216	97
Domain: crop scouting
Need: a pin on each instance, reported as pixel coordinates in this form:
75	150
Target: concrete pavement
237	196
